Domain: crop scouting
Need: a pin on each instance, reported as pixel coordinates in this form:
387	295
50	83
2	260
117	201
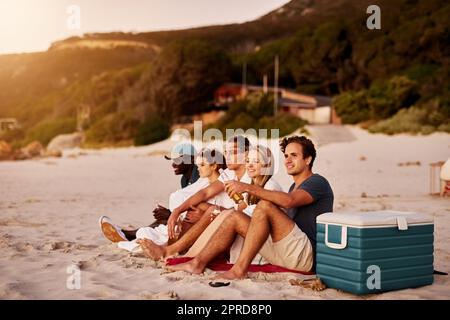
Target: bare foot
152	250
231	274
191	266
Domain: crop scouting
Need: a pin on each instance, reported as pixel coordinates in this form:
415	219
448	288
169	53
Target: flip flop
217	284
111	232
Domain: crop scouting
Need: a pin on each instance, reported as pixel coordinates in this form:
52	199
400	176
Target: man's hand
161	213
232	187
193	215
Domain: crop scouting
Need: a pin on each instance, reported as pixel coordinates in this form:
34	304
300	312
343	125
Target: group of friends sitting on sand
230	205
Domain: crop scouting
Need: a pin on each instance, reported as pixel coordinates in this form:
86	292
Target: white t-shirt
178	197
228	174
222	198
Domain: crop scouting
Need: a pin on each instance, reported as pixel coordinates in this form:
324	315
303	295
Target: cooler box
369	252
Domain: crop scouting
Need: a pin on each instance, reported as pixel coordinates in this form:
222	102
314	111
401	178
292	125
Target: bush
259	105
285	122
154	129
113	128
352	107
47	130
382	100
256	112
241	121
444	127
184	76
424	120
14	135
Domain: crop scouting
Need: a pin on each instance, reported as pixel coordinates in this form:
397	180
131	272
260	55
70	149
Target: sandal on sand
218	284
111	232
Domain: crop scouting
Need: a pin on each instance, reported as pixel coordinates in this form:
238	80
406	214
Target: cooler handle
338	246
402	223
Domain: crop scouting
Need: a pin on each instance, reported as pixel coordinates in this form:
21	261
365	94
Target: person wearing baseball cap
183	163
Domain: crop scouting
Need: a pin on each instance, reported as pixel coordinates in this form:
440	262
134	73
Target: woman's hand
172	222
232	187
193	215
241	206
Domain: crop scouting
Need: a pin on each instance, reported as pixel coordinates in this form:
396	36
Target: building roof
321	101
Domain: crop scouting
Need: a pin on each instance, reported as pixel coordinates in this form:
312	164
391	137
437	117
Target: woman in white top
259	167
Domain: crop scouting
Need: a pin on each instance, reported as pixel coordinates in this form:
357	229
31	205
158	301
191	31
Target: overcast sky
32	25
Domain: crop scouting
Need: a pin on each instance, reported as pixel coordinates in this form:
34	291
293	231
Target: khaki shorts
292	252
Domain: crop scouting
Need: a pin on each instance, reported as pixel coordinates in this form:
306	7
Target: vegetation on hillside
256	112
384	77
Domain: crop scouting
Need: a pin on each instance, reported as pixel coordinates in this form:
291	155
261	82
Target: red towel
222	265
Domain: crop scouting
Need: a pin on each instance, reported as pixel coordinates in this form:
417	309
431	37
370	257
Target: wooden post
244	79
265	89
275	98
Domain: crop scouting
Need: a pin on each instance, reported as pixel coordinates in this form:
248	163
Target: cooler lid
375	218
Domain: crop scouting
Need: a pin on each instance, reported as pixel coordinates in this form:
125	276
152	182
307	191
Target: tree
184	77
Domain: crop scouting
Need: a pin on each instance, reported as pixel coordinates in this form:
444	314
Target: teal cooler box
370	252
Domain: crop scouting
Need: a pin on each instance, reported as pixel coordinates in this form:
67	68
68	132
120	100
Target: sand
49	210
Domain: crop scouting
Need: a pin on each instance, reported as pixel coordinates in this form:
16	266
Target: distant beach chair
442	170
445	178
445	191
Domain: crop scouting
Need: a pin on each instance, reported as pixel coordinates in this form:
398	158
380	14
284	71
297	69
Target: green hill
380	77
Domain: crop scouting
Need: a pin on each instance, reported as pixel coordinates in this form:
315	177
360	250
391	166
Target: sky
32	25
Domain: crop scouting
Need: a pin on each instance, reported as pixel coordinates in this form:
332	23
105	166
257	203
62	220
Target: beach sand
49	212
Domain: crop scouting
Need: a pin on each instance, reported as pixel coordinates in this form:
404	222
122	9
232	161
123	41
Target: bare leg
267	220
185	226
157	252
236	223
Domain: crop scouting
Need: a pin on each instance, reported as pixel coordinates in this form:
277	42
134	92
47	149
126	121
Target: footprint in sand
101	294
5	240
187	277
11	291
23	247
170	295
66	246
88	247
139	262
32	200
15	222
103	280
87	264
112	257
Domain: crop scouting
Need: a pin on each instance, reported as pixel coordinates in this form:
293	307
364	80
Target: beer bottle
237	197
